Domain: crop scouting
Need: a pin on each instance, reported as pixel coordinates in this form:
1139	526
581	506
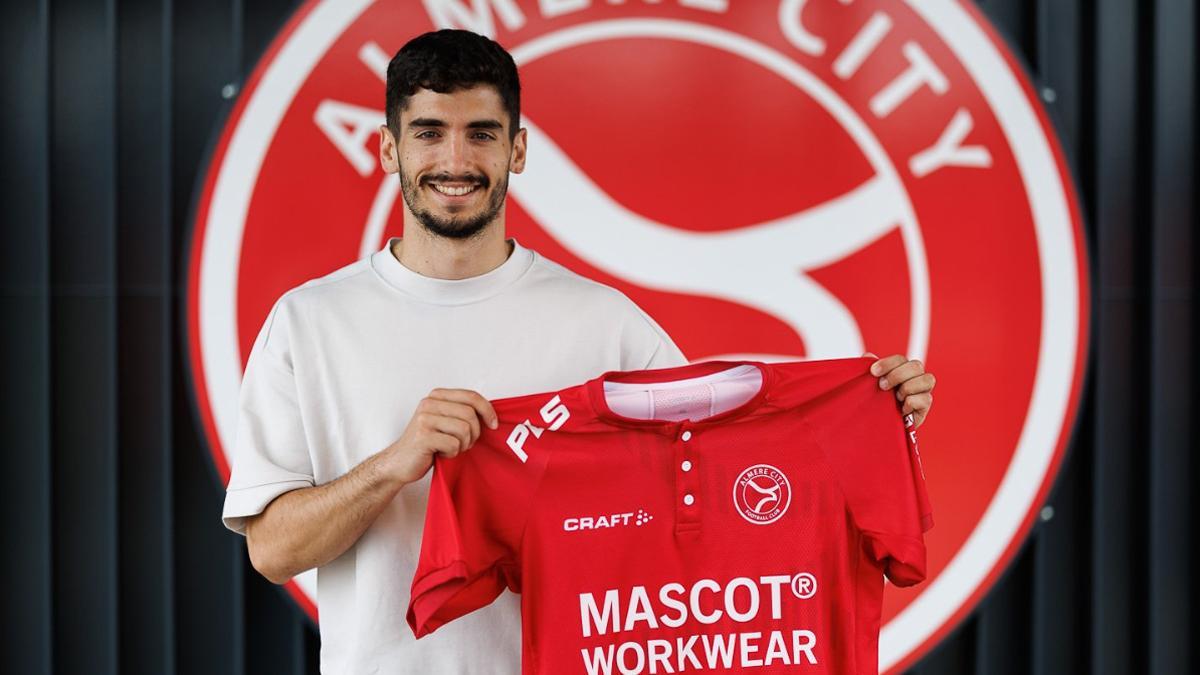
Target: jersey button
686	466
689	500
687	436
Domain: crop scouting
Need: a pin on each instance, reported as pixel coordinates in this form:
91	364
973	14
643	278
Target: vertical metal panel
1002	635
145	318
1061	565
1116	618
209	622
274	628
1172	210
954	655
261	22
208	561
1059	586
83	325
1192	550
1015	19
25	338
1061	36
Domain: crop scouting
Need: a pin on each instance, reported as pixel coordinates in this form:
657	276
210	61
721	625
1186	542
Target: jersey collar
599	404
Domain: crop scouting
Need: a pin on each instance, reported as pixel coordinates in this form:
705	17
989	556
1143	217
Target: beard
454	227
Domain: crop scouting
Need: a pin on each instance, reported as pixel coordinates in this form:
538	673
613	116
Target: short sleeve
876	459
479	503
270	450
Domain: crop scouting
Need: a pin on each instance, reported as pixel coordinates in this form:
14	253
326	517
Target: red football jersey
714	517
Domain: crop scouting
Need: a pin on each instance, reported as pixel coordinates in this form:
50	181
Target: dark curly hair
447	60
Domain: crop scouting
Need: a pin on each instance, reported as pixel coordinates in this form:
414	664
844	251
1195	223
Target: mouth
454	192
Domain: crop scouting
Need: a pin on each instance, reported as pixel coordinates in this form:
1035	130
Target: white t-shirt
334	376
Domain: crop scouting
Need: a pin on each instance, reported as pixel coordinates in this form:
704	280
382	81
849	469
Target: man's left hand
913	386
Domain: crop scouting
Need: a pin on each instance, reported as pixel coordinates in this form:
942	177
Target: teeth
454	191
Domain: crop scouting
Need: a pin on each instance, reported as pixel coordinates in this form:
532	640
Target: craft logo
762	494
798	179
606	520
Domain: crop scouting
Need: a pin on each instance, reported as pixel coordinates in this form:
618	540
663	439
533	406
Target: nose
457	160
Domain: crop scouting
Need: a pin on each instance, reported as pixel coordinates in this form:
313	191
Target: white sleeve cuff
250	501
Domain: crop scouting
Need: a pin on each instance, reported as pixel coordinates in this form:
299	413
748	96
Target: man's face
453	156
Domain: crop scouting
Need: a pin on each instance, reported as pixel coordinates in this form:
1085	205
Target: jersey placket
687	482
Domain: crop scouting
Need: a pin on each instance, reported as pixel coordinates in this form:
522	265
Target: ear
517	163
389	154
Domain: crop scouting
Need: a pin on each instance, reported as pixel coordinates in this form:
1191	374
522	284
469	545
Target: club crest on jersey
762	494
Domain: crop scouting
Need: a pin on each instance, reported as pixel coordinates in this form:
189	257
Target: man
359	378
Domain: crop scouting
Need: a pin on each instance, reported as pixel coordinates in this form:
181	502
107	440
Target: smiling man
359	378
470	198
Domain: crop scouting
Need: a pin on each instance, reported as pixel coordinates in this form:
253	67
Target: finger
462	411
887	364
919	417
869	355
472	398
901	374
920	384
442	444
918	403
455	427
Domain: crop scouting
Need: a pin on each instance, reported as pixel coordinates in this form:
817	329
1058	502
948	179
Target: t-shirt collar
450	291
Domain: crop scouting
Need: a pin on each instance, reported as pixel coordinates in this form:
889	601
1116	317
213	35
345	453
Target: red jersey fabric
753	539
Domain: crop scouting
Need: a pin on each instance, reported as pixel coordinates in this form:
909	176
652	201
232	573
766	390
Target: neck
442	258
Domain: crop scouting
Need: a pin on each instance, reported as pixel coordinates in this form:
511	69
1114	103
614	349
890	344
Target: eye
484	136
426	134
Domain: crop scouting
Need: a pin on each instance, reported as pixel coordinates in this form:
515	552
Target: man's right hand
309	527
445	422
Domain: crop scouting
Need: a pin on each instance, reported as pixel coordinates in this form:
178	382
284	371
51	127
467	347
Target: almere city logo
769	180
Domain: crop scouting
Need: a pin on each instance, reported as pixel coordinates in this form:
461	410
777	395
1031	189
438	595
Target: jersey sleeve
479	503
874	453
270	451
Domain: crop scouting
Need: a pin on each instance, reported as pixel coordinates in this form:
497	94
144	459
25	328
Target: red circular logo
773	181
762	494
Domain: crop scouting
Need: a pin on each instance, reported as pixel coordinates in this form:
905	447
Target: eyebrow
476	124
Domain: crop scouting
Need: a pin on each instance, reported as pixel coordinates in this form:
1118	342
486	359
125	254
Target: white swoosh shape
761	266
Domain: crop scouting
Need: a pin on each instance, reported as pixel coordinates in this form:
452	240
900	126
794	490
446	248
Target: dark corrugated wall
114	556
